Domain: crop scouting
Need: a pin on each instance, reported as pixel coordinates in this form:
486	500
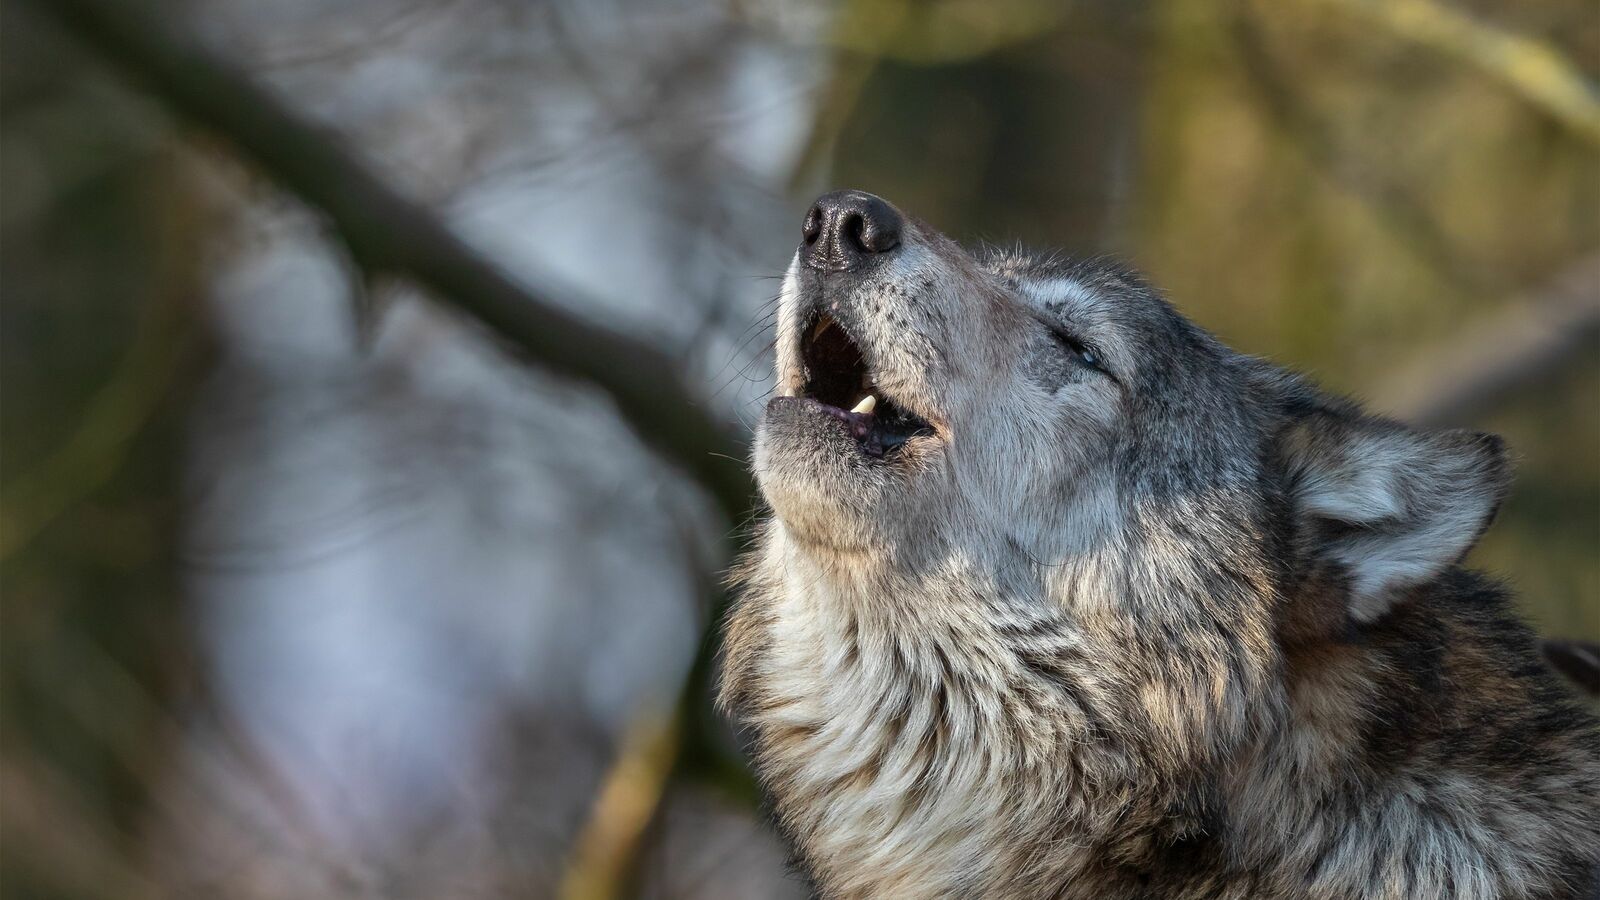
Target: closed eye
1080	351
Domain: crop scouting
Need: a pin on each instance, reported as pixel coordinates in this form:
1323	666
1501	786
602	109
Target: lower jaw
871	438
872	441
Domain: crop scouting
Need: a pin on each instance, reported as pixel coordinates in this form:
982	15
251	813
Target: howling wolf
1061	598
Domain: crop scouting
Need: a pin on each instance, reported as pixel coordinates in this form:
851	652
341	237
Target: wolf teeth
867	404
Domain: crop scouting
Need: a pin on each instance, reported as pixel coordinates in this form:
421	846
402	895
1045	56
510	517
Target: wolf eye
1077	348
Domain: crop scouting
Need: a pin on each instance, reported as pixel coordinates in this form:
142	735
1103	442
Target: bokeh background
310	589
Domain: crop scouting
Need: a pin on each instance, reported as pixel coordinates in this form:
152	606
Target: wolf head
1031	411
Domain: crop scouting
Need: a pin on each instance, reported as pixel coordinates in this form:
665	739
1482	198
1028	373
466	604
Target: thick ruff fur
1141	617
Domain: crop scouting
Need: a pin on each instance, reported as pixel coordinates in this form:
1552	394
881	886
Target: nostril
846	229
854	229
882	234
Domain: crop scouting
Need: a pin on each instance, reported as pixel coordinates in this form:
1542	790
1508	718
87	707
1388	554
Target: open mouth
837	379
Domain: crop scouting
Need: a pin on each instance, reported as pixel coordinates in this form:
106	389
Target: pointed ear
1390	506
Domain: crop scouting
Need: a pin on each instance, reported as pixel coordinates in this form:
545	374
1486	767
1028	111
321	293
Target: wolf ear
1391	506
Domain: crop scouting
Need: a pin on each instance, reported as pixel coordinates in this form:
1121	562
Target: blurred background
311	589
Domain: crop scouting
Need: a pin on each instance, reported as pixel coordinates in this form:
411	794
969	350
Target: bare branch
389	232
627	802
1531	68
1456	382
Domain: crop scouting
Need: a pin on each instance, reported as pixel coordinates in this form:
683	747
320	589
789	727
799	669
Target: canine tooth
867	404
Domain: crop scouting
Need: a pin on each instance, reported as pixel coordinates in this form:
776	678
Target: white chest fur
898	772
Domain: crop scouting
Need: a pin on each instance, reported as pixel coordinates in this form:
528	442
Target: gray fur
1182	627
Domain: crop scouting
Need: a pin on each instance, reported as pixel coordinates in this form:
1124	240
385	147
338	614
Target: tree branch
1458	381
1388	198
1530	68
390	232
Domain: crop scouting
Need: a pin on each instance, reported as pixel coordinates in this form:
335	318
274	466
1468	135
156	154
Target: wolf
1059	597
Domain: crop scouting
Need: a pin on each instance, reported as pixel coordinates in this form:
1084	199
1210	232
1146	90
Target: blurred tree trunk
1031	139
98	345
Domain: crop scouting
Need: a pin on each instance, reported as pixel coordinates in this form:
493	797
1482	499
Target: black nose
845	229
